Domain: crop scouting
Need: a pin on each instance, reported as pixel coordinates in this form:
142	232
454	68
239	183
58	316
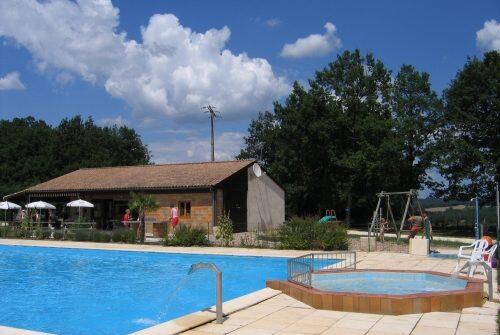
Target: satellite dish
257	171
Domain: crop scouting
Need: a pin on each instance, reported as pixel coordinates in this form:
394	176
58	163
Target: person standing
427	225
126	218
174	216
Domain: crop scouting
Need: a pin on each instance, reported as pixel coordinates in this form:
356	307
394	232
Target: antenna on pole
213	113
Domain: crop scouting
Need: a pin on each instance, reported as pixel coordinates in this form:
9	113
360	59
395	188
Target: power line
213	113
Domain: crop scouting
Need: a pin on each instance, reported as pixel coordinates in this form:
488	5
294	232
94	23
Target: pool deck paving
271	312
283	315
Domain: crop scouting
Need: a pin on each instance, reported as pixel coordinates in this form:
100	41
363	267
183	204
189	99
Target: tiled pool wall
446	301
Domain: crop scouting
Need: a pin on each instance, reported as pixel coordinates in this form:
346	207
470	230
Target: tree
142	203
260	142
467	153
333	145
26	148
416	110
31	151
367	156
80	143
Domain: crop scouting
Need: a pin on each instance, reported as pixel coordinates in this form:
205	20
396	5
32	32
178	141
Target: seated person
416	225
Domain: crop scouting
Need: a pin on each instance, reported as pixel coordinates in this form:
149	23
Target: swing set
380	224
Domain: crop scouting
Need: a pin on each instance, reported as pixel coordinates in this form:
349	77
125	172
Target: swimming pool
388	292
75	291
393	283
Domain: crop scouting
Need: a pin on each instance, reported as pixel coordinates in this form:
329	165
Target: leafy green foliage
224	231
350	135
100	236
308	234
142	203
417	111
31	151
467	153
58	235
187	236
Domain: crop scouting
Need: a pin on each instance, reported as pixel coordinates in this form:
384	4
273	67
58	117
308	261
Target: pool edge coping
223	251
6	330
199	318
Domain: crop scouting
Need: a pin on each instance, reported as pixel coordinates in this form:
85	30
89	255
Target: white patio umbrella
80	204
40	205
9	205
6	205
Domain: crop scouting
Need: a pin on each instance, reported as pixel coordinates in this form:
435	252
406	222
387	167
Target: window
184	208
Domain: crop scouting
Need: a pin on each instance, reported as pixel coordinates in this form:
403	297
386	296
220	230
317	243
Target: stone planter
367	243
419	246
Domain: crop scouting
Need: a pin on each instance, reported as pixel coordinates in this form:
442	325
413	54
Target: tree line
32	151
357	129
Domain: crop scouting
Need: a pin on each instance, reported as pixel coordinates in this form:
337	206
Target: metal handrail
300	269
218	283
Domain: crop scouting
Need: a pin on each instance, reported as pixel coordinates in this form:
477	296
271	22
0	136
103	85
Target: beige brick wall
201	208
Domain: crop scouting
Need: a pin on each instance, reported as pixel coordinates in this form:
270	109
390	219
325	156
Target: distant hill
436	202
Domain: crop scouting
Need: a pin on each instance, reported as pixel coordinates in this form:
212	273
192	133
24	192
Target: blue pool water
71	291
386	282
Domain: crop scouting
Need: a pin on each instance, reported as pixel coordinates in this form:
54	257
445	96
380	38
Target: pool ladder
218	283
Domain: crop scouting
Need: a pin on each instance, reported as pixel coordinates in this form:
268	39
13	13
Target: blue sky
128	62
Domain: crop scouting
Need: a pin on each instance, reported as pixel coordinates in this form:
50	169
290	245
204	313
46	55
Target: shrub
21	233
128	236
187	236
304	234
41	234
332	236
80	235
4	231
297	233
58	235
123	236
225	229
117	235
100	236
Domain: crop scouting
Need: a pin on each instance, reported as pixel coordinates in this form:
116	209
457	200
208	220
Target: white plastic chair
477	250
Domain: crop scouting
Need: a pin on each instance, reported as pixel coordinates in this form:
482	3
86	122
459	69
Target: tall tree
367	156
260	143
32	151
333	145
417	110
26	147
467	153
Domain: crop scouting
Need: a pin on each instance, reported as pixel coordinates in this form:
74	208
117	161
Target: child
174	216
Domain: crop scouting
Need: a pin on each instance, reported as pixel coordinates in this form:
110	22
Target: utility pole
498	219
213	113
477	225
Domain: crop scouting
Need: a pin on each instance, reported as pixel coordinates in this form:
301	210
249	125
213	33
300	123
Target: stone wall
201	209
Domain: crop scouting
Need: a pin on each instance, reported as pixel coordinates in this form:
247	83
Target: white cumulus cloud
273	22
488	38
11	81
118	121
172	72
194	148
314	45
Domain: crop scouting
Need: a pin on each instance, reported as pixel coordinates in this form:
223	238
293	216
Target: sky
152	65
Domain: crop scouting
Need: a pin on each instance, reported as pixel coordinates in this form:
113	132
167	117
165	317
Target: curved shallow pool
379	282
75	291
